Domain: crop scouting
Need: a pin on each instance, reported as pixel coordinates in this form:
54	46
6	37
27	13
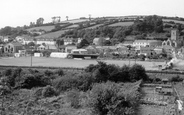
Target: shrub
107	99
81	81
176	79
49	91
38	80
73	98
137	72
60	72
48	73
8	72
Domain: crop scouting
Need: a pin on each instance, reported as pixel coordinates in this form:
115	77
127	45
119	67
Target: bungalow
149	43
13	47
128	43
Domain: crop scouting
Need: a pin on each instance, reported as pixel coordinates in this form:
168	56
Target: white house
47	41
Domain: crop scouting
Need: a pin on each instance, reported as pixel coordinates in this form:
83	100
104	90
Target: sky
21	12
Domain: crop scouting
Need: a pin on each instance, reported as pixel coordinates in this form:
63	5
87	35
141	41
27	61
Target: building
98	41
146	51
47	41
172	41
70	40
41	47
13	47
69	48
147	43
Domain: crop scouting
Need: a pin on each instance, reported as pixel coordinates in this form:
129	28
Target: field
75	21
95	26
122	24
52	34
46	28
73	26
176	21
58	62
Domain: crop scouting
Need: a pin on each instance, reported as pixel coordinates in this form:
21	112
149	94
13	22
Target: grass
76	21
95	26
122	24
58	62
52	34
73	26
46	28
176	21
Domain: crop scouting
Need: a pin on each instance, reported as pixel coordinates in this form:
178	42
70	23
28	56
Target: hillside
52	34
122	24
45	28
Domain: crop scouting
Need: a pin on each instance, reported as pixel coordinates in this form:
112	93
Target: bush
81	81
137	72
38	80
176	79
107	99
49	91
73	98
48	73
60	72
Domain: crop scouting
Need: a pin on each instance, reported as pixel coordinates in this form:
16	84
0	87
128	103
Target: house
98	41
146	51
149	43
24	39
41	47
69	40
5	38
13	47
47	41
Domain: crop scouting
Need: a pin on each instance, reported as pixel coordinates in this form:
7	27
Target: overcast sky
22	12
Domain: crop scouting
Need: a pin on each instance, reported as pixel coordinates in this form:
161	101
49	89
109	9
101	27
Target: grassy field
122	24
95	26
176	21
46	28
58	62
52	34
75	21
73	26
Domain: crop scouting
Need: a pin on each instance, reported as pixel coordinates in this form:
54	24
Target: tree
83	43
31	44
39	21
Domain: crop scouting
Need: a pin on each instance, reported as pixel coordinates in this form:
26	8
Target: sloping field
73	26
52	34
176	21
95	26
75	21
122	24
46	28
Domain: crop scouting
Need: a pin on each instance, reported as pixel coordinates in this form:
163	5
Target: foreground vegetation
101	89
